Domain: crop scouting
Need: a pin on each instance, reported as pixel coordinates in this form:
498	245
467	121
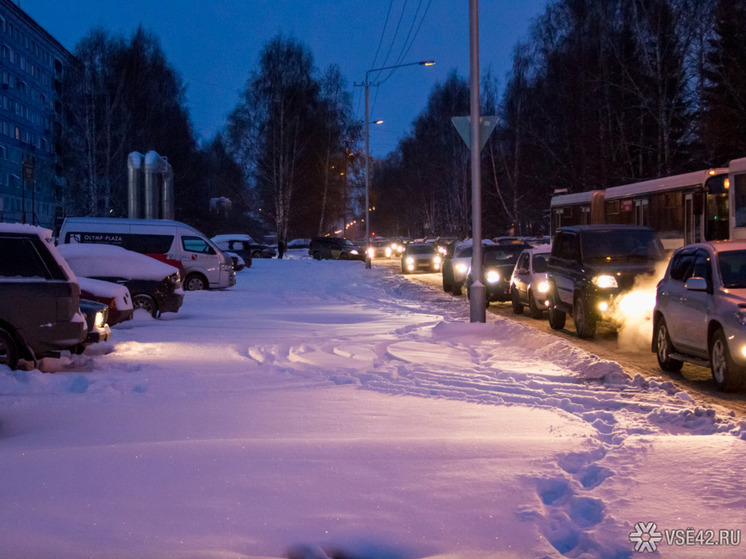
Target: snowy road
319	405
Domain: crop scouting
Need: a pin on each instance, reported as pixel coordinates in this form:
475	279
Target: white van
201	263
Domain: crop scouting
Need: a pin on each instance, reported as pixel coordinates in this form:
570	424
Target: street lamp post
367	85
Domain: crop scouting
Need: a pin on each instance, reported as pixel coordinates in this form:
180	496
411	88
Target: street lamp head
427	63
379	121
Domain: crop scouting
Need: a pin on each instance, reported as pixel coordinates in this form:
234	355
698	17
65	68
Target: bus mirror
698	202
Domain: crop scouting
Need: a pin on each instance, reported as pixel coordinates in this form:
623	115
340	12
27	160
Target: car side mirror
696	284
522	271
540	265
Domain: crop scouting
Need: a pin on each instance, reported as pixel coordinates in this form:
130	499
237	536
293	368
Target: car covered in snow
153	285
116	297
39	297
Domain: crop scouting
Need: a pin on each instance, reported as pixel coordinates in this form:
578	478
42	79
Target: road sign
486	126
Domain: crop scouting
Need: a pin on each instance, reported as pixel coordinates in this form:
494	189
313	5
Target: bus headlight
605	282
493	276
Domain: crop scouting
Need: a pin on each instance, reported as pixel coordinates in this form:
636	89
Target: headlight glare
543	287
605	281
99	320
493	276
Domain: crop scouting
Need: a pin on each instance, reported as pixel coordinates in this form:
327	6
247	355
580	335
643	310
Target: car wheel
536	311
664	348
585	322
8	350
257	254
726	374
195	282
343	256
456	289
146	303
557	318
516	300
317	255
447	282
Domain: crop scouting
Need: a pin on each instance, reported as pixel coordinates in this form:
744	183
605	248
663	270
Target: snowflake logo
645	537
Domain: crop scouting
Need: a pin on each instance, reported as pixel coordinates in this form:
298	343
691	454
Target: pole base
367	262
477	298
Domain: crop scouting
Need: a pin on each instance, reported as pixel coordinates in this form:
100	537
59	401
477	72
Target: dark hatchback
498	262
334	248
39	298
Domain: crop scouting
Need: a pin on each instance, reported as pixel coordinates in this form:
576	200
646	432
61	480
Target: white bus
682	209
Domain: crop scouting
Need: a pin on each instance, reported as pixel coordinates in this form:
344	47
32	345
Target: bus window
716	210
739	199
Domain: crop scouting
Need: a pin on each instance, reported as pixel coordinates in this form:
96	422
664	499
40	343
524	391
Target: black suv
335	248
590	265
39	300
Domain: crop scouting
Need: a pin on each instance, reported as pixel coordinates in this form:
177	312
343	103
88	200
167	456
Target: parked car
299	243
238	262
116	297
334	248
591	265
528	282
153	285
498	262
700	311
96	315
418	257
201	263
39	300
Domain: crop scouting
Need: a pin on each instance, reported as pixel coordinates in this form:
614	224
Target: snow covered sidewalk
322	406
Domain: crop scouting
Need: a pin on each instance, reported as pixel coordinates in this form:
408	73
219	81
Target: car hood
733	296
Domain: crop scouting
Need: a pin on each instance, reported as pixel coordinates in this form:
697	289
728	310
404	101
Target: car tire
516	301
664	348
726	374
456	289
447	283
257	254
585	322
536	311
344	256
557	318
146	303
317	255
195	282
8	350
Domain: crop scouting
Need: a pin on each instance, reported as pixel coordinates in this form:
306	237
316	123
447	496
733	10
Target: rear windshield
732	266
617	244
507	254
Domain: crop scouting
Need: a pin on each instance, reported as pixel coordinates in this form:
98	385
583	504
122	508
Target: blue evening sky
215	44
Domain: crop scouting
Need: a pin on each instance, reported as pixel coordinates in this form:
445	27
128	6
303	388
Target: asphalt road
606	345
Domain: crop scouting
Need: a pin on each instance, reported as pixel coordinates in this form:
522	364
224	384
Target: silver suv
700	311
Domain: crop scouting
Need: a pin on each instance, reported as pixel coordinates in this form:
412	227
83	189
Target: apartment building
32	65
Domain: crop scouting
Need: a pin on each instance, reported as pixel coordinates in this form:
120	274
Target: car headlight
461	268
388	252
371	252
605	281
409	260
493	276
100	319
437	260
543	287
353	251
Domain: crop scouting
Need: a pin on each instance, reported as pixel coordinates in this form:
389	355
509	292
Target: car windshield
348	243
732	266
507	254
615	244
464	252
421	249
